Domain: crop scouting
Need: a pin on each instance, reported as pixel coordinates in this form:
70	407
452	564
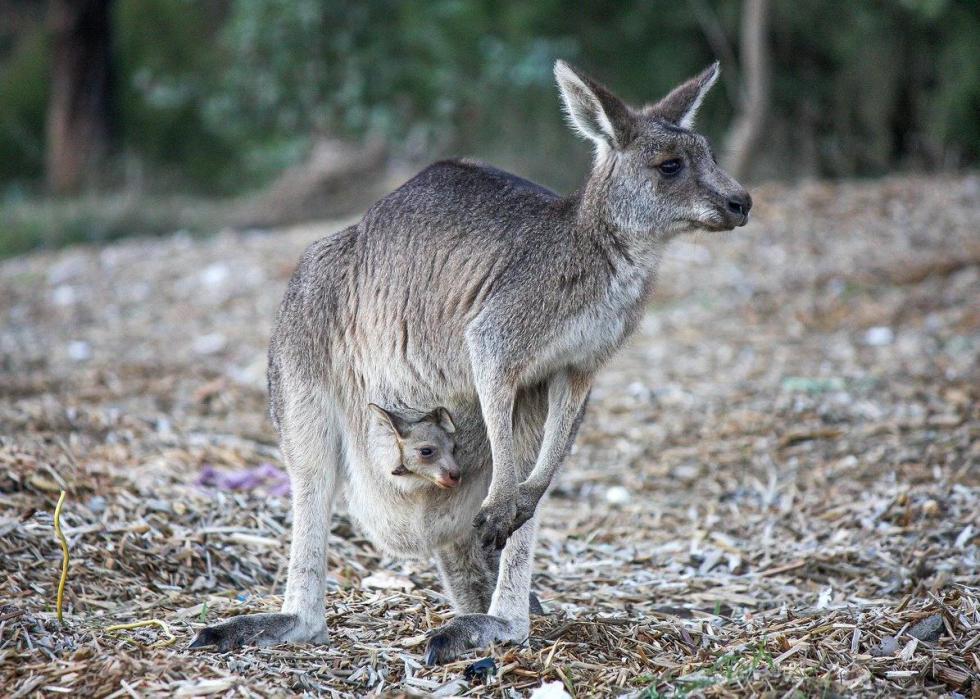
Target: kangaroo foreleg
568	392
495	521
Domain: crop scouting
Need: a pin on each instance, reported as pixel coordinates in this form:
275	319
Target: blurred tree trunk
79	118
754	50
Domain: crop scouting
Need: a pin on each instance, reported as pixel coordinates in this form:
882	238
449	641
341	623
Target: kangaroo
424	446
476	290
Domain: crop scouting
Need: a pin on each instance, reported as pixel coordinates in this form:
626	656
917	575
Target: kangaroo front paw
496	522
467	632
259	630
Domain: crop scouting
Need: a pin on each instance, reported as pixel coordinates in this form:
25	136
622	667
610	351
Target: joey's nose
449	479
740	205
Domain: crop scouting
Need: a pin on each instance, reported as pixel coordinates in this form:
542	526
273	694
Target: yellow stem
148	622
64	555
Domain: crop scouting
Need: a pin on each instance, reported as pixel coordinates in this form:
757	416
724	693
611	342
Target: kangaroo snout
448	478
738	207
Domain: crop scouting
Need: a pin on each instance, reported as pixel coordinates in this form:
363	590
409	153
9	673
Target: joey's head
425	445
653	175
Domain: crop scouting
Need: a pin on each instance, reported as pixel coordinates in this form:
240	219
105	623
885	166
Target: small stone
618	495
550	690
96	504
888	646
63	295
928	629
79	351
214	276
879	336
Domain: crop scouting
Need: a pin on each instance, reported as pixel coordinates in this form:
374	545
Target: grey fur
479	291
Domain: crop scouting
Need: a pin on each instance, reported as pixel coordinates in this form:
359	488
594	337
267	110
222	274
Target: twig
64	555
169	640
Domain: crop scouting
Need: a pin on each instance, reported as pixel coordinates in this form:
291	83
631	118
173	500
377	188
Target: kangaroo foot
467	632
258	630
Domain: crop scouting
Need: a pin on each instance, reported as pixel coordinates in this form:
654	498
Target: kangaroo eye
427	451
669	168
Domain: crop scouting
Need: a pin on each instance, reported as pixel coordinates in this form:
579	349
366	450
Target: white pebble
550	690
879	336
618	495
79	350
215	275
63	295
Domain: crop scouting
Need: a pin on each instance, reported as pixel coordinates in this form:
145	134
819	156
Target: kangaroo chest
589	335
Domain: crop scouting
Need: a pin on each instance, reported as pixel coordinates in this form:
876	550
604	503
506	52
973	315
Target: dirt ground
776	490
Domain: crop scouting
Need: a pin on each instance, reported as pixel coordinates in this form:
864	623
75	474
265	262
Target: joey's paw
466	632
258	630
496	522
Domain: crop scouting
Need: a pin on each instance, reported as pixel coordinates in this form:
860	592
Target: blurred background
122	117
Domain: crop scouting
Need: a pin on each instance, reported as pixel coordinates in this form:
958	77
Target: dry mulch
776	490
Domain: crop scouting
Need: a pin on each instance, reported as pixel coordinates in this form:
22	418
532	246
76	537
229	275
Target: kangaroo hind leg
312	449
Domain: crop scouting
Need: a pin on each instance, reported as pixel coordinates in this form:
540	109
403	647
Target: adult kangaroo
479	291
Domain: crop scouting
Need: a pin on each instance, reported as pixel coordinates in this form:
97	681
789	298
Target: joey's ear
389	421
594	112
681	105
444	420
400	470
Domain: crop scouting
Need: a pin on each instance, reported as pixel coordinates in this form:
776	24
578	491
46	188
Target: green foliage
728	671
23	98
168	70
31	223
219	96
412	72
863	88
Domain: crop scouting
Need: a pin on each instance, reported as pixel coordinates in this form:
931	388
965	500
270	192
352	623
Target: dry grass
776	491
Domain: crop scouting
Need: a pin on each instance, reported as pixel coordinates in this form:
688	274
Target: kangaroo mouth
721	221
445	482
712	226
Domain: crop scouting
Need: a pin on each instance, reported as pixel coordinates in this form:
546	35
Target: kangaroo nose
740	205
449	479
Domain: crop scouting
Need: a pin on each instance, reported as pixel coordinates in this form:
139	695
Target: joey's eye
669	168
426	451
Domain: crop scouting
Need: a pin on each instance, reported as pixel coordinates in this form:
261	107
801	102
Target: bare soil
776	490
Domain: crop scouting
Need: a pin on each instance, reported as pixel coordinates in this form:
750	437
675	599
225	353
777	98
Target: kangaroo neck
594	226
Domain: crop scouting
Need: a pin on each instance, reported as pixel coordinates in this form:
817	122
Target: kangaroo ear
444	420
389	421
400	470
681	105
594	112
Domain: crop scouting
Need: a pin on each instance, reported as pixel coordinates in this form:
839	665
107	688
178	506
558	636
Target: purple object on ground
273	479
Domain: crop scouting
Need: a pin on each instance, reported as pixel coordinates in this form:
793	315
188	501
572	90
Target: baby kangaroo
425	445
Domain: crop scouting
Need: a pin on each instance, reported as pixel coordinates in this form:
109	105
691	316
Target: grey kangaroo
476	290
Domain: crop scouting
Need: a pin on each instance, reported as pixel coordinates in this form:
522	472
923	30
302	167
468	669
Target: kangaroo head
425	445
653	175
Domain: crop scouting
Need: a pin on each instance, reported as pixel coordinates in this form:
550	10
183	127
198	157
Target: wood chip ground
776	491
